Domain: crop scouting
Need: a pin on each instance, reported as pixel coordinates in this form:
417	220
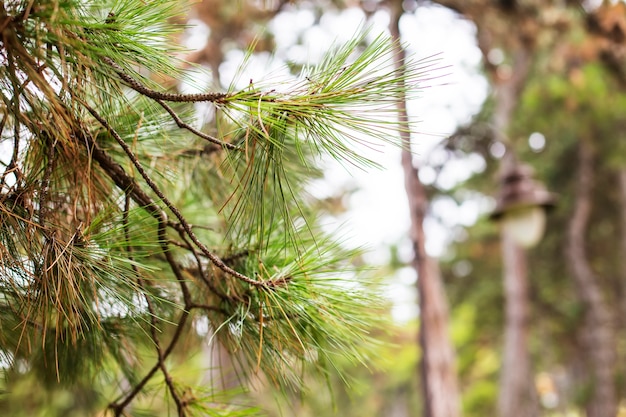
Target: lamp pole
520	210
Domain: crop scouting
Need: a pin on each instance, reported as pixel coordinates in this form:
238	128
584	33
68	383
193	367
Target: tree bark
439	382
598	334
518	397
515	30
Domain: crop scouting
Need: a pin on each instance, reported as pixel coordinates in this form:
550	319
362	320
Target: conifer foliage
125	222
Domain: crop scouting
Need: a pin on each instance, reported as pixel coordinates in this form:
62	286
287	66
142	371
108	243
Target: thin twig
161	98
183	222
202	274
157	95
206	150
45	182
119	176
153	317
118	407
179	244
128	184
180	123
16	111
209	308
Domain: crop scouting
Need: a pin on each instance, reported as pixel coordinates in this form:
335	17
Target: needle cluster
123	224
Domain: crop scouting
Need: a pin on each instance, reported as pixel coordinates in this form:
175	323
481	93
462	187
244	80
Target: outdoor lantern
521	206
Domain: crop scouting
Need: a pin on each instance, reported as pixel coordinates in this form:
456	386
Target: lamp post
521	211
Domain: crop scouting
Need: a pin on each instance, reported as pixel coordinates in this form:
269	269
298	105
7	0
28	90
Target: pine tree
127	227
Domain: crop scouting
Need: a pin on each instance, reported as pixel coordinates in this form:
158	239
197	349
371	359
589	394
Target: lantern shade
521	206
525	225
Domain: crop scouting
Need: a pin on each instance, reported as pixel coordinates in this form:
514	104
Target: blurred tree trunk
439	381
518	30
512	29
597	334
518	396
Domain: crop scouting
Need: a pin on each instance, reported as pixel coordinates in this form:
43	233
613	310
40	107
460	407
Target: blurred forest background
553	78
556	76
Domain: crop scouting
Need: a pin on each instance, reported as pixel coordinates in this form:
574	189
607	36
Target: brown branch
183	222
161	98
598	331
208	308
621	177
118	407
45	182
116	172
157	95
153	317
121	179
201	272
180	123
438	374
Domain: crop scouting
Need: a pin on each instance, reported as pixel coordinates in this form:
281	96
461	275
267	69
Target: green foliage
123	225
386	386
346	103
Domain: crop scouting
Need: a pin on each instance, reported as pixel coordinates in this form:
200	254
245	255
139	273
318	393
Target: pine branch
153	316
183	125
183	222
217	98
279	294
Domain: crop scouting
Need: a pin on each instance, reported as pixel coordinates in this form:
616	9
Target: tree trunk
518	397
438	365
598	334
516	34
439	383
